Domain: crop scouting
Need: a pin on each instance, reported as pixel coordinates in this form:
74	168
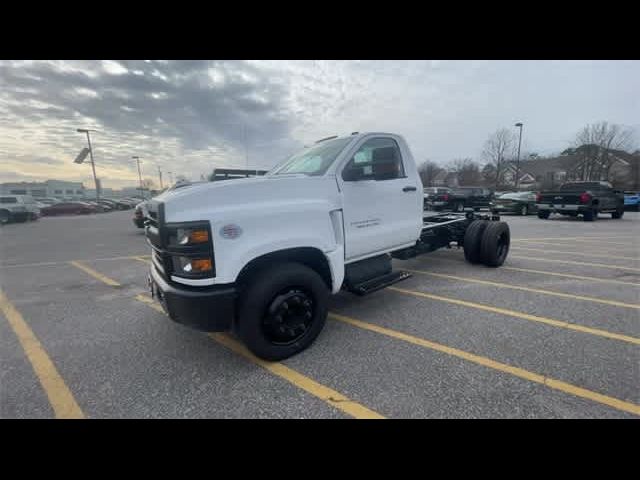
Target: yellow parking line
60	397
564	252
568	275
583	240
492	364
614	303
94	274
524	316
546	272
554	238
47	264
572	244
327	395
572	262
143	260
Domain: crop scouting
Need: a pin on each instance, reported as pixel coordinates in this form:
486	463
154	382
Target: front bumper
209	309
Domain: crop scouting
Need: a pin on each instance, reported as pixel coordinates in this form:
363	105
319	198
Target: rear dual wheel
487	243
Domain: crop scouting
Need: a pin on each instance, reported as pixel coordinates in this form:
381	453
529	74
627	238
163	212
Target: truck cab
261	255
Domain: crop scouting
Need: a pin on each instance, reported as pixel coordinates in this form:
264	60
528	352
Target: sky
188	116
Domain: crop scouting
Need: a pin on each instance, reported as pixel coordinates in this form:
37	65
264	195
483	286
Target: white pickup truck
260	256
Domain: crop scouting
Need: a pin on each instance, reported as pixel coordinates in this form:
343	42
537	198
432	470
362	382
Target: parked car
436	198
581	198
632	201
18	208
47	200
521	203
69	208
118	204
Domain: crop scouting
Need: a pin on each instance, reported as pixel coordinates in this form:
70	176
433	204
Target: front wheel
282	311
459	207
544	214
524	210
619	213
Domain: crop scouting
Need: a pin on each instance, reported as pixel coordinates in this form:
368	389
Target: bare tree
467	171
428	171
500	146
594	145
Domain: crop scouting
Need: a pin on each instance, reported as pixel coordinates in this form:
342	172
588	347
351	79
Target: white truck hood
269	193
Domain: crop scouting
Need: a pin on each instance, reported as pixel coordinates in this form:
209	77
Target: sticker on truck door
366	223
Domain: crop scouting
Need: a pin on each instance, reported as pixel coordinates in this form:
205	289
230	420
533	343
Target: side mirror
353	174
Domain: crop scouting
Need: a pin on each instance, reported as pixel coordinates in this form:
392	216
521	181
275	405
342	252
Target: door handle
409	189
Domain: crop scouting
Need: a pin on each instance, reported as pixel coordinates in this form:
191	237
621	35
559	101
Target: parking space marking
94	273
564	252
495	365
524	316
143	260
553	244
572	262
46	264
60	397
547	272
326	394
568	275
614	303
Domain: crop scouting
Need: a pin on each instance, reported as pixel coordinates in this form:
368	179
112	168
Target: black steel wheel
282	310
289	316
524	210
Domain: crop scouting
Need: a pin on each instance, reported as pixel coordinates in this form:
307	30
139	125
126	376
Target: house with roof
588	162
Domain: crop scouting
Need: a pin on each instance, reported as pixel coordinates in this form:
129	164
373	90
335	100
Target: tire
524	211
590	216
266	300
495	243
472	240
33	217
617	214
458	207
5	217
543	214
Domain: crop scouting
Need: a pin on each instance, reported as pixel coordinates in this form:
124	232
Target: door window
377	159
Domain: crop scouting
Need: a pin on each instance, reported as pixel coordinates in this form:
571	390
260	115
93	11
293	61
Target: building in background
50	188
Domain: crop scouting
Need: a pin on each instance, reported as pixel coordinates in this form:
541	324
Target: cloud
191	116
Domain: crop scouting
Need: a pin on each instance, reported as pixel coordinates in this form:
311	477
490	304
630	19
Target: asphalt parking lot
554	333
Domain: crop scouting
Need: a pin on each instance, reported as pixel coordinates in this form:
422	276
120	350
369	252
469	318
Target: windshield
312	161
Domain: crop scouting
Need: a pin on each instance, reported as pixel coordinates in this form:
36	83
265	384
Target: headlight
191	236
192	266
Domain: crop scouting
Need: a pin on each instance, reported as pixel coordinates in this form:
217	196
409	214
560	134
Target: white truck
260	256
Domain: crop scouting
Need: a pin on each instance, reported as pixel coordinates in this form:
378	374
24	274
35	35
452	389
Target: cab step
379	283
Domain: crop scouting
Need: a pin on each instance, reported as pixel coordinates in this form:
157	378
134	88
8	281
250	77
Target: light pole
93	165
160	175
519	124
137	159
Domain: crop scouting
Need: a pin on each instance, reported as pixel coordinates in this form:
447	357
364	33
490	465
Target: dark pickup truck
581	198
456	199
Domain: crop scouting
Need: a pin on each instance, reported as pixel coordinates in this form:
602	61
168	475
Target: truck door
382	199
